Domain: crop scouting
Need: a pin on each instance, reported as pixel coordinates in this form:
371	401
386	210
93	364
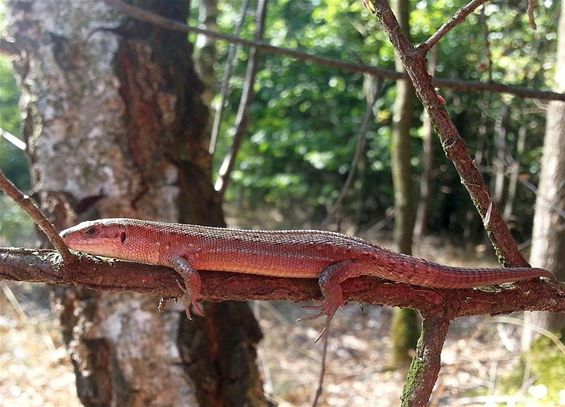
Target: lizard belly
294	265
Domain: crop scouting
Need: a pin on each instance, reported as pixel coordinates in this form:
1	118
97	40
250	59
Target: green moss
547	371
405	330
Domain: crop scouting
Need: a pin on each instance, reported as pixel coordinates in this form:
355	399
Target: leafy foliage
305	118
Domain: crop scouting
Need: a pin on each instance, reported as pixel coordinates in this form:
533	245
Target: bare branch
226	81
357	155
454	21
456	85
33	211
242	117
532	4
115	275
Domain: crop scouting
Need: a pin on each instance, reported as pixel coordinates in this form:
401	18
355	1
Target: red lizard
330	257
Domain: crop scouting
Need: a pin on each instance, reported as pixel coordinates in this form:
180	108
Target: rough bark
113	121
548	237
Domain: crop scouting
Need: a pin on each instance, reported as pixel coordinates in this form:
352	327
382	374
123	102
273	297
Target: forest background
305	121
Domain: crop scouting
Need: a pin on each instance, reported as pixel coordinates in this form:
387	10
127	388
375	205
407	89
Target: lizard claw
326	308
190	302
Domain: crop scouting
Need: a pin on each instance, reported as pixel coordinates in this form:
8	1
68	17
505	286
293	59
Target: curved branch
33	211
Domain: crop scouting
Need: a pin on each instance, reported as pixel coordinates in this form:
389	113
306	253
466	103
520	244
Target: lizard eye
91	231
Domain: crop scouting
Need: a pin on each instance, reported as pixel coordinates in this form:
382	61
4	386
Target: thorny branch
452	84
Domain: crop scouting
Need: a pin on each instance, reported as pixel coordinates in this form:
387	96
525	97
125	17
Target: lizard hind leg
329	282
192	286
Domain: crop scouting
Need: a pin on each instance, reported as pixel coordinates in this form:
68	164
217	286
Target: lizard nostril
123	237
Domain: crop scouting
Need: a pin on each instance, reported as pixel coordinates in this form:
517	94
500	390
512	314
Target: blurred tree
548	240
404	330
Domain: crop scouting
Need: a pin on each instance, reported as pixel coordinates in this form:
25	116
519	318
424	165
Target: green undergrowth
542	369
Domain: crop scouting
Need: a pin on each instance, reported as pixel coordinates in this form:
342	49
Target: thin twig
486	42
33	211
242	117
226	81
540	330
532	4
320	387
359	150
554	206
453	84
427	163
454	21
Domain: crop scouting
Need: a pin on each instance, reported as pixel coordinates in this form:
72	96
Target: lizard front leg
192	285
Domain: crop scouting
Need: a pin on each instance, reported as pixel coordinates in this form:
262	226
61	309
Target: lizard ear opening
123	237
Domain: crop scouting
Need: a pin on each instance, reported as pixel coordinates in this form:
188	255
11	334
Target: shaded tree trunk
404	332
499	161
548	240
114	123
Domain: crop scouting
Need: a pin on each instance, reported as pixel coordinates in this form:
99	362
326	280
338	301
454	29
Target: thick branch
88	272
456	85
427	362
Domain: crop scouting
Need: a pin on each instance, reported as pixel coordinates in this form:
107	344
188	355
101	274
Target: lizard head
104	237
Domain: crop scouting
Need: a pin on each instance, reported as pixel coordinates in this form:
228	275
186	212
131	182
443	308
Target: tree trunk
499	162
405	326
114	123
548	239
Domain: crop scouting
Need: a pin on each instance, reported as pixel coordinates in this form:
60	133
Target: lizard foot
192	286
189	302
327	308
